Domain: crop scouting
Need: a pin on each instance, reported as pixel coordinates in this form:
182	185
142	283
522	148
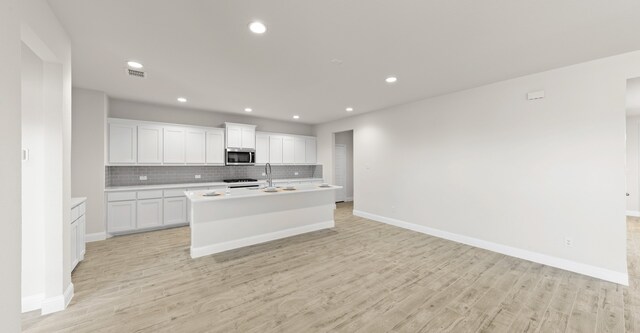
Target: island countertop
242	193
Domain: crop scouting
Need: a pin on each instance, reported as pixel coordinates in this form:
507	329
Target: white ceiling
202	49
633	97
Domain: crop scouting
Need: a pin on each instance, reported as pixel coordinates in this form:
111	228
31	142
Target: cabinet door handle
627	194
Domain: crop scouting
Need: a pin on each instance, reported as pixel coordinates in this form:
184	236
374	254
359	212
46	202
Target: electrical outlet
264	174
198	176
568	241
295	173
143	177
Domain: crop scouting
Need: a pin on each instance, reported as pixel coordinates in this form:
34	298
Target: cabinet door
122	144
175	210
248	137
262	149
299	156
80	238
234	137
73	243
275	149
149	213
287	150
174	145
195	147
121	216
215	146
310	151
150	144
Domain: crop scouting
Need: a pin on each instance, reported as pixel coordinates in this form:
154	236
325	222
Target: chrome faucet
267	170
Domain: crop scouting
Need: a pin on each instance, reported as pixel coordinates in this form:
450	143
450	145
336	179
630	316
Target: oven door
240	157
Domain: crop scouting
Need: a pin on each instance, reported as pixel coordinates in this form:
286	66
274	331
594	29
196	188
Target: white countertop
77	201
242	193
194	185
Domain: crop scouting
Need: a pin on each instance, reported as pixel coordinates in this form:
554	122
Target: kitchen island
246	217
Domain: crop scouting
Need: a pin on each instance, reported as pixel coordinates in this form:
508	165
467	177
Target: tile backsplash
130	175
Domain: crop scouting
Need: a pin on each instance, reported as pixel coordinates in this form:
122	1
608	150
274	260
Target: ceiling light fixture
296	117
248	109
257	27
349	109
391	79
134	64
182	100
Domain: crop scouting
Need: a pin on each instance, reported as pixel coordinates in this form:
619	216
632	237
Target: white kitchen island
246	217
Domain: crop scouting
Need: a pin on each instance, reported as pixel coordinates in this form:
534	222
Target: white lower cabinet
175	210
149	213
121	216
77	234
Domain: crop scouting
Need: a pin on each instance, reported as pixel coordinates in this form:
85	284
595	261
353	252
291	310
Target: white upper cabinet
287	150
122	144
149	144
310	151
299	146
262	148
275	149
174	145
240	136
195	146
215	146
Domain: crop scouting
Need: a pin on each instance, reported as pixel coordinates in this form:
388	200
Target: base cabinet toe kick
247	217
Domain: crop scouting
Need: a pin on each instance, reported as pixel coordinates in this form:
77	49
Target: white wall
178	115
44	35
346	138
87	155
33	171
633	149
10	237
490	168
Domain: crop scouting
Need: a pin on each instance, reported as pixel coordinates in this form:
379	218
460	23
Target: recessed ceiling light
134	64
257	27
349	109
248	109
391	79
182	100
296	117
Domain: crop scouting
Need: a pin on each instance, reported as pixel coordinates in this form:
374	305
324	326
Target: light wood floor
362	276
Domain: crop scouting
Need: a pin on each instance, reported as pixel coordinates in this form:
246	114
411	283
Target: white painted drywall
633	159
33	172
488	164
87	154
44	35
10	168
180	115
346	138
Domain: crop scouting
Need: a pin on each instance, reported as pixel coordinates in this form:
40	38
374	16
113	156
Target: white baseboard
633	213
235	244
58	303
348	199
33	302
593	271
98	236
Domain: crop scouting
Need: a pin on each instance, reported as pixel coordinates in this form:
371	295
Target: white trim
59	302
33	302
633	213
98	236
348	199
234	244
593	271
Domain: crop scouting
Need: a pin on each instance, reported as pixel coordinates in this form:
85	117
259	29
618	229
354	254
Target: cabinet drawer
174	192
121	196
75	213
155	194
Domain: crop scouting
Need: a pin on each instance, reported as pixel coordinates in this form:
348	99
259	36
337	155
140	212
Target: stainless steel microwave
237	156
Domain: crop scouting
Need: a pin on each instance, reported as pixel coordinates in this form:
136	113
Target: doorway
343	165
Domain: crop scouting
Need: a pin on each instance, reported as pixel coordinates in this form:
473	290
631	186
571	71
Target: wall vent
135	73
